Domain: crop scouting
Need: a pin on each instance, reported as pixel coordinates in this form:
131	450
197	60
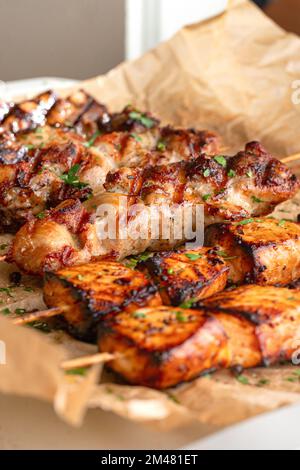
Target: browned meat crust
96	290
164	346
262	251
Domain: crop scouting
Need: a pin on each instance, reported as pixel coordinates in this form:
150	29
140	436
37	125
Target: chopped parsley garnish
77	371
181	317
170	271
41	215
142	119
139	315
6	290
221	160
135	260
20	311
193	256
249	174
30	146
28	289
231	173
292	379
256	199
188	303
161	146
136	137
225	255
206	173
242	379
91	142
281	223
71	178
41	326
262	382
5	311
80	277
3	246
206	197
245	222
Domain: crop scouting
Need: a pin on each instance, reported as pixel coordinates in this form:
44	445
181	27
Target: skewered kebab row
88	292
248	184
161	347
260	251
176	183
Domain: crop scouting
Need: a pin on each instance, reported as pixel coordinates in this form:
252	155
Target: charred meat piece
229	187
94	291
65	236
129	120
79	111
162	347
188	275
261	251
274	313
43	168
29	114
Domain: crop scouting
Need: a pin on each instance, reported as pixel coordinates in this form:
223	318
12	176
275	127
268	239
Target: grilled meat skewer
184	184
161	347
261	251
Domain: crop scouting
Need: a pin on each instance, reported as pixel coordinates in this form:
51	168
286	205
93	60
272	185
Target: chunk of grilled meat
65	236
129	119
80	111
43	168
162	347
229	187
29	114
156	146
187	275
261	251
96	290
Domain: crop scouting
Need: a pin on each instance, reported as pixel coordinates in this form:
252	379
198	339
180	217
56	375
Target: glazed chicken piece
40	169
30	114
163	346
79	111
261	251
229	187
92	292
65	236
186	276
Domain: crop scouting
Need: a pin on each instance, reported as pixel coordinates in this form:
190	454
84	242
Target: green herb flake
231	173
245	222
188	303
136	137
173	398
80	277
78	371
28	289
249	174
292	379
206	197
206	173
71	178
243	380
161	146
221	160
6	290
262	382
3	246
20	311
41	215
193	256
91	142
142	119
30	146
281	223
5	311
139	315
256	200
170	271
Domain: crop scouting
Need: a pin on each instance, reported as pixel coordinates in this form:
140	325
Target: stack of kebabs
165	312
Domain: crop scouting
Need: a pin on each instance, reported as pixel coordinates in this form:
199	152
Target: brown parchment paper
233	74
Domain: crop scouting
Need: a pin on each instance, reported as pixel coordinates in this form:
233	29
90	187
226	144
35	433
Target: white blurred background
82	38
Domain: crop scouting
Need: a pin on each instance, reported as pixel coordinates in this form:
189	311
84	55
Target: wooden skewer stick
34	316
291	158
86	361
